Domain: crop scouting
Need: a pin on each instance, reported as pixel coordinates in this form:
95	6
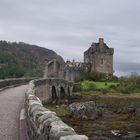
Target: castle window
102	61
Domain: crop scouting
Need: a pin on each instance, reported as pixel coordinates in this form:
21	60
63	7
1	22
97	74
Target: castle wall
103	63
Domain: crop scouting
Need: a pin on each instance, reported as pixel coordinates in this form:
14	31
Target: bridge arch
53	89
54	93
68	91
62	93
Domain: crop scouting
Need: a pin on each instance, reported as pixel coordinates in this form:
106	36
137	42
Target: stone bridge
53	89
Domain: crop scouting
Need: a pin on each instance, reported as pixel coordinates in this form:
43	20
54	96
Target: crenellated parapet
73	70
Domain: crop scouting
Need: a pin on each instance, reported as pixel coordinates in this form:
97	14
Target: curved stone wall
44	124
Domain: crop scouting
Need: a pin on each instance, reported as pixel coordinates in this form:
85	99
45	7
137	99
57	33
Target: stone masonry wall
106	66
44	88
13	81
44	124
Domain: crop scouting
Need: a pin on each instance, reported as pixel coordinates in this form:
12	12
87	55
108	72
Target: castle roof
100	47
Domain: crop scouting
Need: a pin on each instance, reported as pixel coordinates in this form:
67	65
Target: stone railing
44	124
13	82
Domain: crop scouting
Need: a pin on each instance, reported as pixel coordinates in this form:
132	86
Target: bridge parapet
13	82
44	124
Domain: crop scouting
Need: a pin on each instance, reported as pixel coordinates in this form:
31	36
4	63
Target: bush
104	90
130	84
106	84
98	76
112	87
125	90
88	85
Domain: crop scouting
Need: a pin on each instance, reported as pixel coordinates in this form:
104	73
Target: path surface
11	101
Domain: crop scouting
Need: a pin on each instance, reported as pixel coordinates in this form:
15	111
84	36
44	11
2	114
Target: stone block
59	129
74	137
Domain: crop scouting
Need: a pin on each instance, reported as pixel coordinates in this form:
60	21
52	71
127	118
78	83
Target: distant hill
24	60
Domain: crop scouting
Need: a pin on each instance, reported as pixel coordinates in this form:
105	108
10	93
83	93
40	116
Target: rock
33	97
132	136
87	109
74	137
126	110
100	138
59	129
137	112
46	115
38	108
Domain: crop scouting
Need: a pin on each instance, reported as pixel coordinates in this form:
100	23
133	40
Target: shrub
125	90
130	83
113	86
106	84
88	85
104	90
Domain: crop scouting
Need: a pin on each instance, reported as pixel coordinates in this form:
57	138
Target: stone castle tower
100	57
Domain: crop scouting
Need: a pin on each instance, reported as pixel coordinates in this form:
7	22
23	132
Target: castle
98	58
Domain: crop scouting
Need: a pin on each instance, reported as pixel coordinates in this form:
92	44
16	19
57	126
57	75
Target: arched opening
69	98
68	92
54	94
62	93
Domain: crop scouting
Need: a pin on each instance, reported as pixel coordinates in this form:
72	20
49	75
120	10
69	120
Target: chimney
101	43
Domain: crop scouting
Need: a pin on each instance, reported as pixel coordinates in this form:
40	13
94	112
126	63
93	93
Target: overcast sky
70	26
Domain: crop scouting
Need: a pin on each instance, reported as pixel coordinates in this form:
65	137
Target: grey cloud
127	68
70	26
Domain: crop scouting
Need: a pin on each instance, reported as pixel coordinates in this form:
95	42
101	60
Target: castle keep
98	58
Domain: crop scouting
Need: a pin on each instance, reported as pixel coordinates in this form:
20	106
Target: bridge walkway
11	101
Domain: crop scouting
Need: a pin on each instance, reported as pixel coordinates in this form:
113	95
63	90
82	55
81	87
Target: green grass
98	85
104	84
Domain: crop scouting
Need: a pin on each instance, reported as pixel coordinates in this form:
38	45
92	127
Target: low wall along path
44	124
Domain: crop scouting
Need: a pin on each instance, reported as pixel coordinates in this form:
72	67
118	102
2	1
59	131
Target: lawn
104	84
98	85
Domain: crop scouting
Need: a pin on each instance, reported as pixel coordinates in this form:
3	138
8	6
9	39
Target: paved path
11	101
